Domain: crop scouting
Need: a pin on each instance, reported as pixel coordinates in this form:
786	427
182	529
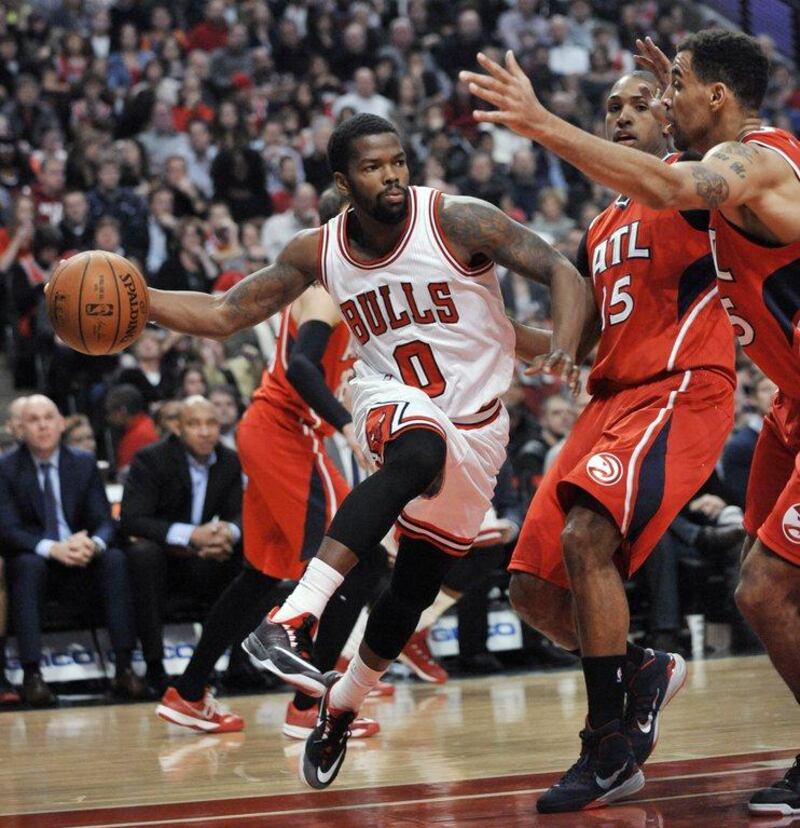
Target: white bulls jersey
419	317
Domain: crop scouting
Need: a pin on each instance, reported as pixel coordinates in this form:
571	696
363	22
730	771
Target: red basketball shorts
293	490
772	510
642	453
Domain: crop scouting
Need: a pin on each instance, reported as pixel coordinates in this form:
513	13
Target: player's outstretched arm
247	303
729	175
478	229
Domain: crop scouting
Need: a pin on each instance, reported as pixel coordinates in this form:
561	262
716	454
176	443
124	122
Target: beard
379	209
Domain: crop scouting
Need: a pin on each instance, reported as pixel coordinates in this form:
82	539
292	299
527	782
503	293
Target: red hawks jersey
418	316
654	284
759	282
277	390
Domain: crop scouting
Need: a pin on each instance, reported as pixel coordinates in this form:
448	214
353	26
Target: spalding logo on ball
97	302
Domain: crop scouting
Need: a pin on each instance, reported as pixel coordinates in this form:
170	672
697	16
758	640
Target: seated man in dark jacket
56	531
182	508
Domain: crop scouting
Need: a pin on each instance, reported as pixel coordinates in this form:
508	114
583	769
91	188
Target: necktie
50	507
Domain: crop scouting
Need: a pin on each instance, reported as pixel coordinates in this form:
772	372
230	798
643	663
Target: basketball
97	302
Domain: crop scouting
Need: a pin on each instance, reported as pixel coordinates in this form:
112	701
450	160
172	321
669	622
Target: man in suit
56	532
182	507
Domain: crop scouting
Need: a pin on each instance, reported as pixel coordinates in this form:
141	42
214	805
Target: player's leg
546	607
413	462
768	594
189	701
416	578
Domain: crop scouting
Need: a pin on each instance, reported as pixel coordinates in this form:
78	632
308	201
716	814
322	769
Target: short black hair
125	397
732	58
340	143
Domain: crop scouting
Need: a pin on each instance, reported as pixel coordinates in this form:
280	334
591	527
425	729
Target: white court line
428	801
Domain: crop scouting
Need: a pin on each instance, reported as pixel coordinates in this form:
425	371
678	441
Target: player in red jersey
292	492
662	390
749	179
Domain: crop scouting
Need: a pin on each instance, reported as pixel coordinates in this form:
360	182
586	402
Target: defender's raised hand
509	90
651	58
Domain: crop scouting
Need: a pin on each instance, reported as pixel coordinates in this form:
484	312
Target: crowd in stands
191	138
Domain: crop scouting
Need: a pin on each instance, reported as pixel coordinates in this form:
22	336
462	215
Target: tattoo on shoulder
482	230
711	186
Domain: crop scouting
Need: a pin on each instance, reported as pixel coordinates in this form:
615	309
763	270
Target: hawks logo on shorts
791	523
604	468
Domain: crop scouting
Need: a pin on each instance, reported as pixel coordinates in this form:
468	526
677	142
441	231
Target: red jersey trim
488	414
392	255
322	255
425	531
444	246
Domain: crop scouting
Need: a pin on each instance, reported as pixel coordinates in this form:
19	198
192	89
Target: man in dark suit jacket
182	508
56	531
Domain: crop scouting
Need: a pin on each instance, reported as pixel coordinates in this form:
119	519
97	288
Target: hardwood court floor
472	753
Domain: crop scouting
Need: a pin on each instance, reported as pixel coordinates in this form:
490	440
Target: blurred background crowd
190	137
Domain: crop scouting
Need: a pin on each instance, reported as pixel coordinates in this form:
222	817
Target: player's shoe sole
286	665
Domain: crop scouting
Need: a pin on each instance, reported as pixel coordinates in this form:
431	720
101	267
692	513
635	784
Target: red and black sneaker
417	656
284	648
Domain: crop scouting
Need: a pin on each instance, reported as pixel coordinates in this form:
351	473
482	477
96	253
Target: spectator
551	220
48	192
459	50
364	97
161	223
225	399
8	694
182	503
56	532
27	278
99	33
192	381
29	117
127	414
189	267
239	177
109	198
168	417
187	198
107	236
212	32
147	372
78	433
737	455
222	243
200	156
353	52
162	140
483	180
566	56
13	424
233	58
291	52
75	227
521	24
16	238
126	66
278	229
555	422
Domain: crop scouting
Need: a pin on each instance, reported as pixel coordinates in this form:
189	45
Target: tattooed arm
478	231
729	175
247	303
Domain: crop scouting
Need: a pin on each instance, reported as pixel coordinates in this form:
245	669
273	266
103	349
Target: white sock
352	688
356	636
319	582
438	608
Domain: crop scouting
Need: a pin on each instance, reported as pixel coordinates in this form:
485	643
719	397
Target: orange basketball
97	302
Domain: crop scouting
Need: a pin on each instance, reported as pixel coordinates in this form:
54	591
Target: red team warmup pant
293	490
642	452
772	511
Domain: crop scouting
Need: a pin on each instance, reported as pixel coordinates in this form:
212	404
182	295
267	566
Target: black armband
305	373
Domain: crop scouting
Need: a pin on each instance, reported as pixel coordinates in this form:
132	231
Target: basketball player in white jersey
413	273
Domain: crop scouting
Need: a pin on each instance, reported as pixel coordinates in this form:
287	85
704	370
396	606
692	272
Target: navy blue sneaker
650	689
327	745
605	772
781	798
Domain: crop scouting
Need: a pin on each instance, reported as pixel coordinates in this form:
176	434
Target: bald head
41	425
198	427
